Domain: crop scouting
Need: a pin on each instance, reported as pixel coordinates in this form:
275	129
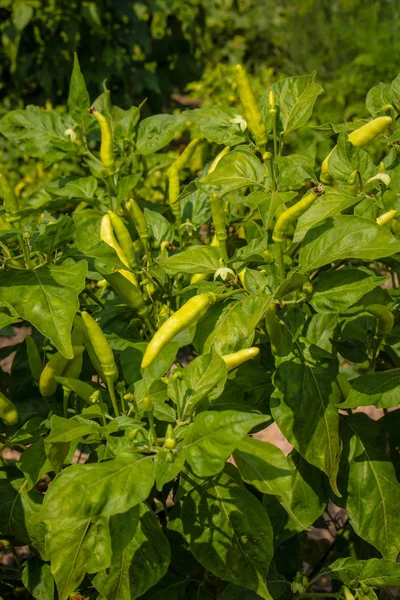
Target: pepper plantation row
186	282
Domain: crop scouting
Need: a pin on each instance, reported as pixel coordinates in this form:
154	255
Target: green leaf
77	546
37	578
41	134
167	470
159	228
376	572
34	463
196	259
346	158
140	564
125	121
345	237
55	235
238	169
89	242
304	406
103	489
368	482
269	202
336	291
22	13
204	377
380	389
66	430
48	298
213	436
83	188
215	124
19	513
295	97
301	505
330	204
78	98
156	132
377	97
229	532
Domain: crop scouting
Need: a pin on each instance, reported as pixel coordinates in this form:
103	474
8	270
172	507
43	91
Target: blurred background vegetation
180	53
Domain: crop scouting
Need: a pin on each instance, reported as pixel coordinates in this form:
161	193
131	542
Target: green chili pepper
107	235
10	200
100	345
218	216
252	112
385	319
173	192
148	404
188	314
106	147
183	160
234	360
8	411
369	132
387	217
55	366
289	216
80	388
34	358
123	237
325	176
344	384
170	439
216	160
273	328
138	218
126	289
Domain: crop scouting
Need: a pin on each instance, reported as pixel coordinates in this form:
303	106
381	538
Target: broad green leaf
269	202
19	514
229	533
345	237
295	97
89	242
159	228
37	578
304	406
125	121
54	235
376	572
301	505
380	389
236	324
204	377
346	158
41	134
103	489
330	204
320	330
78	97
22	13
238	169
215	124
377	97
140	564
66	430
213	436
336	291
196	259
294	171
167	470
82	188
34	463
368	483
77	546
156	132
47	298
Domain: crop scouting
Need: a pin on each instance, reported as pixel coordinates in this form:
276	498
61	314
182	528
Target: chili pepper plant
179	303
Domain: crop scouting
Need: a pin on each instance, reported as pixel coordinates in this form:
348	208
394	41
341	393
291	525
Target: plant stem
110	386
66	395
152	428
281	263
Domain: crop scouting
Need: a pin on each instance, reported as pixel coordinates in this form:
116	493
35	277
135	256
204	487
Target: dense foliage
131	466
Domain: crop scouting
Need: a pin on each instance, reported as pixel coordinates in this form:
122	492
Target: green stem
110	386
272	168
275	136
228	294
25	251
93	296
281	263
66	395
152	428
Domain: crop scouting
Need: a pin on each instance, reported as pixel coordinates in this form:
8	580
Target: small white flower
239	120
381	177
225	273
71	134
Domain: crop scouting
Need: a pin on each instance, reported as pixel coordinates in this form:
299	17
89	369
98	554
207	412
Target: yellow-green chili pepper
237	358
173	192
8	411
369	132
55	366
123	237
273	328
125	287
385	319
100	345
170	439
138	218
107	235
34	358
183	160
387	217
80	388
290	216
251	110
216	160
106	147
188	314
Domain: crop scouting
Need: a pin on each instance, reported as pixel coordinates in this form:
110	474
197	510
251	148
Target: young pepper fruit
234	360
289	216
8	411
188	314
106	147
251	110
